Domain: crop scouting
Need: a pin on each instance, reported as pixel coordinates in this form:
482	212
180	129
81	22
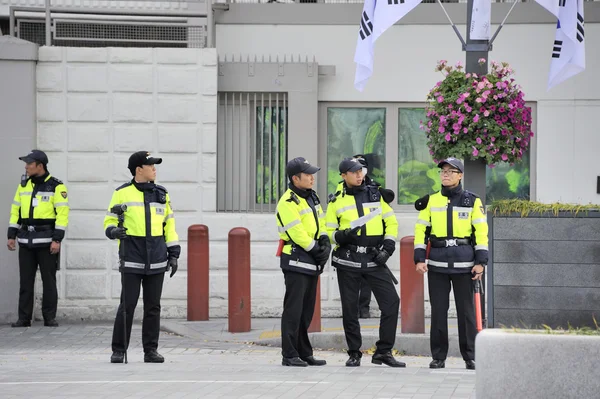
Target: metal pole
210	25
12	22
476	49
48	34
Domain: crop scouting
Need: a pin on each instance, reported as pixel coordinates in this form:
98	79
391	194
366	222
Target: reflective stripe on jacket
39	213
150	224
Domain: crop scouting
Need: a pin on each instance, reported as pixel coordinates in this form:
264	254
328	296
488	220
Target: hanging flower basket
477	117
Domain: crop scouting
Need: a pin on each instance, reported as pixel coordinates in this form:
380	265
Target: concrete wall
17	113
94	108
546	270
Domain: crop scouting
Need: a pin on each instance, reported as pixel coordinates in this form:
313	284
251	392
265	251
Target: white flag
376	18
481	18
568	51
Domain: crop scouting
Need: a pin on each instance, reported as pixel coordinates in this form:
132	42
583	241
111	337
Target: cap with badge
456	163
35	156
300	165
141	158
350	165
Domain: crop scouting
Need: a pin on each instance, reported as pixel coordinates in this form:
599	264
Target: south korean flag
568	51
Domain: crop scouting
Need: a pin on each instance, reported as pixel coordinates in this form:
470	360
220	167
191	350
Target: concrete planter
544	269
519	365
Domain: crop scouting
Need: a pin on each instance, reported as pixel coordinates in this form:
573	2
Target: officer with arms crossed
301	225
454	221
39	216
365	228
151	248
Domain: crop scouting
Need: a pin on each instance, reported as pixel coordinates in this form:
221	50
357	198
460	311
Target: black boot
152	356
387	359
470	364
117	357
437	364
311	361
21	323
51	323
354	359
293	361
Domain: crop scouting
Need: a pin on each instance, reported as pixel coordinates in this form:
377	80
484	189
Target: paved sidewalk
267	331
72	361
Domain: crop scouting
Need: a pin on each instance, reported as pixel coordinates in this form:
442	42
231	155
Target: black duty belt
357	248
449	242
44	227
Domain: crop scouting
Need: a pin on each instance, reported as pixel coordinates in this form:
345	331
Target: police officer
365	228
454	222
149	247
39	216
301	225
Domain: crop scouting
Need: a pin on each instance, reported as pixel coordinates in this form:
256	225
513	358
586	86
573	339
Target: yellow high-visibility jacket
458	214
150	223
39	213
300	222
359	206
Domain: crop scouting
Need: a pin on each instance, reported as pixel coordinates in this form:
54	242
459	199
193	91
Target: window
352	131
252	133
391	138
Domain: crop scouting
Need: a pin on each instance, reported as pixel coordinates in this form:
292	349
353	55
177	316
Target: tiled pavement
72	361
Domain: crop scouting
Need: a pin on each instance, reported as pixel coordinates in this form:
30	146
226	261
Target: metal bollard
315	324
198	280
238	271
412	291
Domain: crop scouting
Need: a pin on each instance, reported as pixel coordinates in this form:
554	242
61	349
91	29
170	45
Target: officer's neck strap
452	192
39	179
143	186
354	190
300	192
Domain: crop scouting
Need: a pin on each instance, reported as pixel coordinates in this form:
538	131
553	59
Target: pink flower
486	113
465	130
476	118
501	109
475	151
459	100
478	140
504	157
441	129
481	61
448	137
440	99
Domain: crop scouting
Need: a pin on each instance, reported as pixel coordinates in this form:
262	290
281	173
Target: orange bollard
315	324
197	283
238	271
412	290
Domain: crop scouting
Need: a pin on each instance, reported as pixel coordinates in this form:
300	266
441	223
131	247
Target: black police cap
350	165
35	156
456	163
141	158
300	165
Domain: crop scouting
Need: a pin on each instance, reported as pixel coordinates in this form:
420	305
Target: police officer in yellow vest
454	221
301	225
149	247
365	228
39	217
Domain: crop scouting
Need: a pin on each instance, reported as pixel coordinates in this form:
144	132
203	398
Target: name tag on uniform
45	198
160	211
34	202
463	215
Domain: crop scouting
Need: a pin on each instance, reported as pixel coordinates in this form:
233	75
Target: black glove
344	237
172	265
381	256
389	246
118	232
325	245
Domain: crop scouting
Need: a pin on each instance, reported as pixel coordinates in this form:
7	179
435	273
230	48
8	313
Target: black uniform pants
29	259
439	297
387	298
298	309
364	299
153	285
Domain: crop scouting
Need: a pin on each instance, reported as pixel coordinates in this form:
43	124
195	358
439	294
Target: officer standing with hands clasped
39	216
151	248
305	251
365	228
454	221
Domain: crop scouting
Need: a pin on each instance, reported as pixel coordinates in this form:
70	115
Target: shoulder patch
123	186
293	197
57	181
63	194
